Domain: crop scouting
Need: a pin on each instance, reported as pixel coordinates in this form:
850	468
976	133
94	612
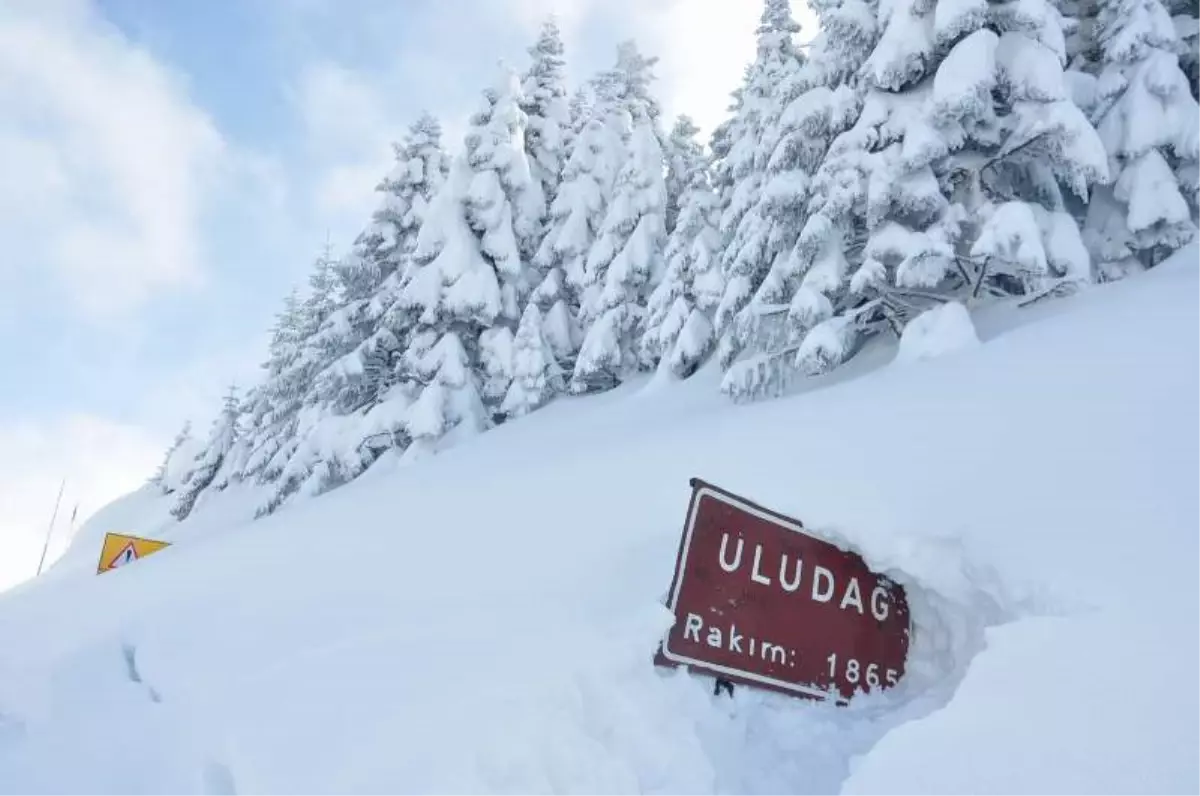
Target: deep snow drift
484	620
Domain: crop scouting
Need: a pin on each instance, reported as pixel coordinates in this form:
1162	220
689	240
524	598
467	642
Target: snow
1035	666
945	329
952	18
904	47
483	620
1032	71
1012	240
181	461
965	78
1065	250
1150	190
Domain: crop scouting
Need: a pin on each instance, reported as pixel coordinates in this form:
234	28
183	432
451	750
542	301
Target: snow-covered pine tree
745	236
555	299
469	277
236	458
577	213
953	176
417	178
288	392
683	153
578	112
817	100
547	112
361	383
221	439
623	263
679	327
720	145
632	76
338	426
371	276
1147	117
167	477
536	375
279	388
504	207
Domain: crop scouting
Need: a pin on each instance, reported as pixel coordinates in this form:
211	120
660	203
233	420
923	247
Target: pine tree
1147	118
536	374
454	294
579	110
469	277
362	384
721	144
238	455
279	389
503	204
371	276
418	173
221	439
625	263
814	102
622	264
546	109
167	477
629	82
683	153
679	329
554	298
577	213
288	404
335	431
451	398
746	236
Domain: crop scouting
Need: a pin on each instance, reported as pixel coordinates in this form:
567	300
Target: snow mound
945	329
484	620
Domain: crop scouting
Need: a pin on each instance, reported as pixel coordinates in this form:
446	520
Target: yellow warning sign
119	550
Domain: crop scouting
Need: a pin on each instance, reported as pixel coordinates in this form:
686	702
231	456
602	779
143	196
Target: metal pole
50	530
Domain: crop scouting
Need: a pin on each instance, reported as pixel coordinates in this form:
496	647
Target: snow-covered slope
484	620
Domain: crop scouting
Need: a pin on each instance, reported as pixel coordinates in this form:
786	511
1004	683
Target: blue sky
170	168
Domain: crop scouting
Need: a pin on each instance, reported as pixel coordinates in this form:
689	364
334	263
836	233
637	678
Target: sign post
120	549
50	530
760	601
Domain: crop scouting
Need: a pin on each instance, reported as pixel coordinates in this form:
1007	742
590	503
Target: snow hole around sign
953	600
606	720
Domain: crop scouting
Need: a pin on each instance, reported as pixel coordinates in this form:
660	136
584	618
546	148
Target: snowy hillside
484	620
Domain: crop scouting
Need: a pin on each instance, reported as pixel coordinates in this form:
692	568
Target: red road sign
759	601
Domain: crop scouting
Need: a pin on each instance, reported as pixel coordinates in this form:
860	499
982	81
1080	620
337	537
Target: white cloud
530	14
106	161
100	460
702	49
349	132
194	391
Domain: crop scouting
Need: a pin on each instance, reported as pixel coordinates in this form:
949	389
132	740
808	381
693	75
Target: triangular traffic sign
120	549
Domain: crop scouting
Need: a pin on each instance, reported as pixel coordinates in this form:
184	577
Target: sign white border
686	660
